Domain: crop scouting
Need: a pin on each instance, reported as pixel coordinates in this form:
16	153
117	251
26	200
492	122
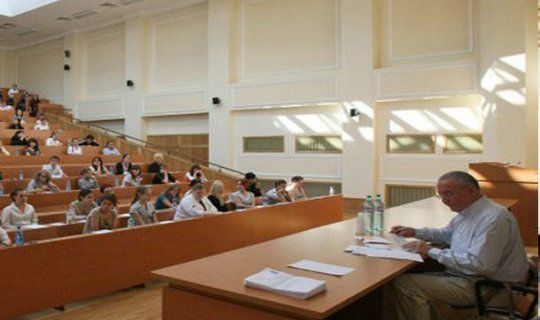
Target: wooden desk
212	287
54	272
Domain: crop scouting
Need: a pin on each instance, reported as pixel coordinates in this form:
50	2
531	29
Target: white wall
40	69
186	124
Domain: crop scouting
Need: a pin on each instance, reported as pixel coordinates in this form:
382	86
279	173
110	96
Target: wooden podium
499	180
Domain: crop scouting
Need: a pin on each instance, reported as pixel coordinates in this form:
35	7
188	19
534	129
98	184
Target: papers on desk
397	253
284	283
321	267
35	226
101	231
374	239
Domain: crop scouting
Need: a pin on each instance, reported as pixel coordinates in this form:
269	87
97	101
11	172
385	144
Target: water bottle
17	151
19	237
368	216
21	175
116	182
111	170
360	224
331	191
130	222
378	216
1	188
68	185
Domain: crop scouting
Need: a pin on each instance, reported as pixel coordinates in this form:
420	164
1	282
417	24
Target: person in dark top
155	166
253	184
124	165
168	199
163	176
89	141
216	196
18	139
34	105
33	148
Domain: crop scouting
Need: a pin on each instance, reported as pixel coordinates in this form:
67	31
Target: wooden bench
69	169
55	272
49	151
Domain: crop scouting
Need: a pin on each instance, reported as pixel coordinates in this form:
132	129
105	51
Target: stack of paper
321	267
286	284
398	253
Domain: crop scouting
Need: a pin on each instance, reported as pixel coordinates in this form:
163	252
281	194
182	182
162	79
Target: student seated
103	217
106	189
13	91
110	149
484	242
74	148
87	180
4	238
133	178
17	121
54	168
163	176
195	204
53	140
18	139
34	105
142	210
19	212
97	167
277	194
168	199
33	148
124	166
241	197
216	196
253	185
296	189
41	123
80	209
89	141
4	106
195	172
41	183
155	166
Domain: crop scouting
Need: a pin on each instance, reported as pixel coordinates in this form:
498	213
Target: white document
123	215
321	267
101	231
35	226
352	247
284	283
378	246
56	224
399	254
397	239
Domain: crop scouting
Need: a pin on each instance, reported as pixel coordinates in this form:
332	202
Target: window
410	143
319	144
264	144
463	143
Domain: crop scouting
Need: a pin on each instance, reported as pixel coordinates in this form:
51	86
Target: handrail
107	131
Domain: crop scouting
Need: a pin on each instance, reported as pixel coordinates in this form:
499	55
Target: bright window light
12	8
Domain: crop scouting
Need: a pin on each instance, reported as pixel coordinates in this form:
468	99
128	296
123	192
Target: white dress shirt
12	216
55	172
191	208
484	241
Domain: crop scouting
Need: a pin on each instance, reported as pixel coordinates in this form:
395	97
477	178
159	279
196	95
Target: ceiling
64	16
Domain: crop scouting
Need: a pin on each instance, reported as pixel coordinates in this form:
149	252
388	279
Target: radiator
397	195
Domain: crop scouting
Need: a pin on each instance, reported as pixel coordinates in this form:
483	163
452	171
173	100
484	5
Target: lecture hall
269	159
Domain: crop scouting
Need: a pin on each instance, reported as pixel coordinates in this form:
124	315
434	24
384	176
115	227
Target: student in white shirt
54	168
133	178
41	124
195	204
4	106
53	140
19	212
13	91
110	149
74	147
242	198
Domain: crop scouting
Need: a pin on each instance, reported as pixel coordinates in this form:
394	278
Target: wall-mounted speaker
216	100
67	53
67	67
130	83
354	112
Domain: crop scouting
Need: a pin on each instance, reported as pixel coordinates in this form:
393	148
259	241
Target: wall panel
101	109
175	103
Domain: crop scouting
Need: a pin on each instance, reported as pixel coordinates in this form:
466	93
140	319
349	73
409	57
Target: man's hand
403	231
420	247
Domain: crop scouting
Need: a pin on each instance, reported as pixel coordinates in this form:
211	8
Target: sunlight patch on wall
516	61
515	97
416	119
287	124
466	117
440	121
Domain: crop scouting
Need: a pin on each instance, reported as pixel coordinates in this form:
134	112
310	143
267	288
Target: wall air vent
26	32
108	5
128	2
83	14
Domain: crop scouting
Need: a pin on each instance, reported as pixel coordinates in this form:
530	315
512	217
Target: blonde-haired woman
216	195
155	166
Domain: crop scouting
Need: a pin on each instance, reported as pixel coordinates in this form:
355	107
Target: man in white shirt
484	242
110	149
13	91
194	204
54	168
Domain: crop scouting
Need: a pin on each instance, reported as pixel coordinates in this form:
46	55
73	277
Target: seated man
277	194
484	242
